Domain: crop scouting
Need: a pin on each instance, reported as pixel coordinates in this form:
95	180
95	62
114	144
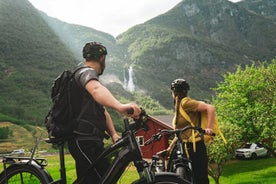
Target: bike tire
164	178
183	173
25	173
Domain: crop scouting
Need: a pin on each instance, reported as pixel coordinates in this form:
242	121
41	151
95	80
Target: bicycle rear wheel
164	178
25	174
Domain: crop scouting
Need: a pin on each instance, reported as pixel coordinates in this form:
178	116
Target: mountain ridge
197	56
263	7
189	41
30	56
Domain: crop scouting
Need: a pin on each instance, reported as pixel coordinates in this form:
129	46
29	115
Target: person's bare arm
104	97
169	149
210	109
110	127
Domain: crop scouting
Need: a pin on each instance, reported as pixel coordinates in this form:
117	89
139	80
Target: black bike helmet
93	50
180	85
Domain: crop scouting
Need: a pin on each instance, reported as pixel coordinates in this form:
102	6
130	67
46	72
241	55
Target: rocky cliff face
262	7
199	40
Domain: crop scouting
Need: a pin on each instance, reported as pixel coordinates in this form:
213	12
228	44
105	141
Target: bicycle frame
157	166
180	163
129	151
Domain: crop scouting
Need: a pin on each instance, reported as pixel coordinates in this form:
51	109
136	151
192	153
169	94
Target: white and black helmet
180	85
93	50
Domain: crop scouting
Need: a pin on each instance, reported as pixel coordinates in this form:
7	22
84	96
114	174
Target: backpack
59	121
203	123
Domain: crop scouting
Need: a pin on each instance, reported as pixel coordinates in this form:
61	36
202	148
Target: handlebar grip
130	111
213	134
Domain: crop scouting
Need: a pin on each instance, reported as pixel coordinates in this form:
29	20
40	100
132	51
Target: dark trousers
85	152
199	162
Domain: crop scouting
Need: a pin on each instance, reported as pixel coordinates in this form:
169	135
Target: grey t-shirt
93	113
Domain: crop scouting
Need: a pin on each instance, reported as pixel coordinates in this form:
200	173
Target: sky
110	16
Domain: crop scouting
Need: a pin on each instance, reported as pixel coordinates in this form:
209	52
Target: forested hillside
34	49
262	7
30	56
199	40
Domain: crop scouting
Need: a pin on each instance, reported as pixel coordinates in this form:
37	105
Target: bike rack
23	160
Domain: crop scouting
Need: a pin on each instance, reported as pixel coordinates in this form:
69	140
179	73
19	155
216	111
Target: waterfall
128	80
125	81
130	84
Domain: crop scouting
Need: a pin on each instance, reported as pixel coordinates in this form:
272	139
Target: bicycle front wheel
184	173
164	178
25	174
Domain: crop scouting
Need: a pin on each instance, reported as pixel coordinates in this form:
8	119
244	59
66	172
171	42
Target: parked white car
252	150
18	152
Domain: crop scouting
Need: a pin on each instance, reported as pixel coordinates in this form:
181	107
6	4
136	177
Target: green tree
247	99
4	132
219	152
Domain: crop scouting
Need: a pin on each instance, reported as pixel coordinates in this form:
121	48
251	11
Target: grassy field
261	171
22	138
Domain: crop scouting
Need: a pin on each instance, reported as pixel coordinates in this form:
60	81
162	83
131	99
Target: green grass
261	171
53	168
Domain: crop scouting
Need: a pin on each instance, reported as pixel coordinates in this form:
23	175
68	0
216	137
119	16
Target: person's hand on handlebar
115	137
208	131
132	110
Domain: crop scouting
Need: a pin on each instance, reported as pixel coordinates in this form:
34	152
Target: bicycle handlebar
139	123
130	111
157	137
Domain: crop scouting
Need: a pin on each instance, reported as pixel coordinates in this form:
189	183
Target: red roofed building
155	125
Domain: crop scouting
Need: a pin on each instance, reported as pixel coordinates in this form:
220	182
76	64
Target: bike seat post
62	163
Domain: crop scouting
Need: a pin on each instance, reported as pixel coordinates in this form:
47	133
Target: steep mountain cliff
199	40
262	7
30	56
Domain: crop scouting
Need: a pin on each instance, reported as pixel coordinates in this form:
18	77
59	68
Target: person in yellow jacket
197	154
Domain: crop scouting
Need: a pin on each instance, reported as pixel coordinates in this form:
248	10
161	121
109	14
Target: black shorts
85	152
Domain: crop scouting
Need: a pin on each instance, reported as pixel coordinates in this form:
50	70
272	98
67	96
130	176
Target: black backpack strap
84	108
87	103
199	124
98	131
199	119
76	70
